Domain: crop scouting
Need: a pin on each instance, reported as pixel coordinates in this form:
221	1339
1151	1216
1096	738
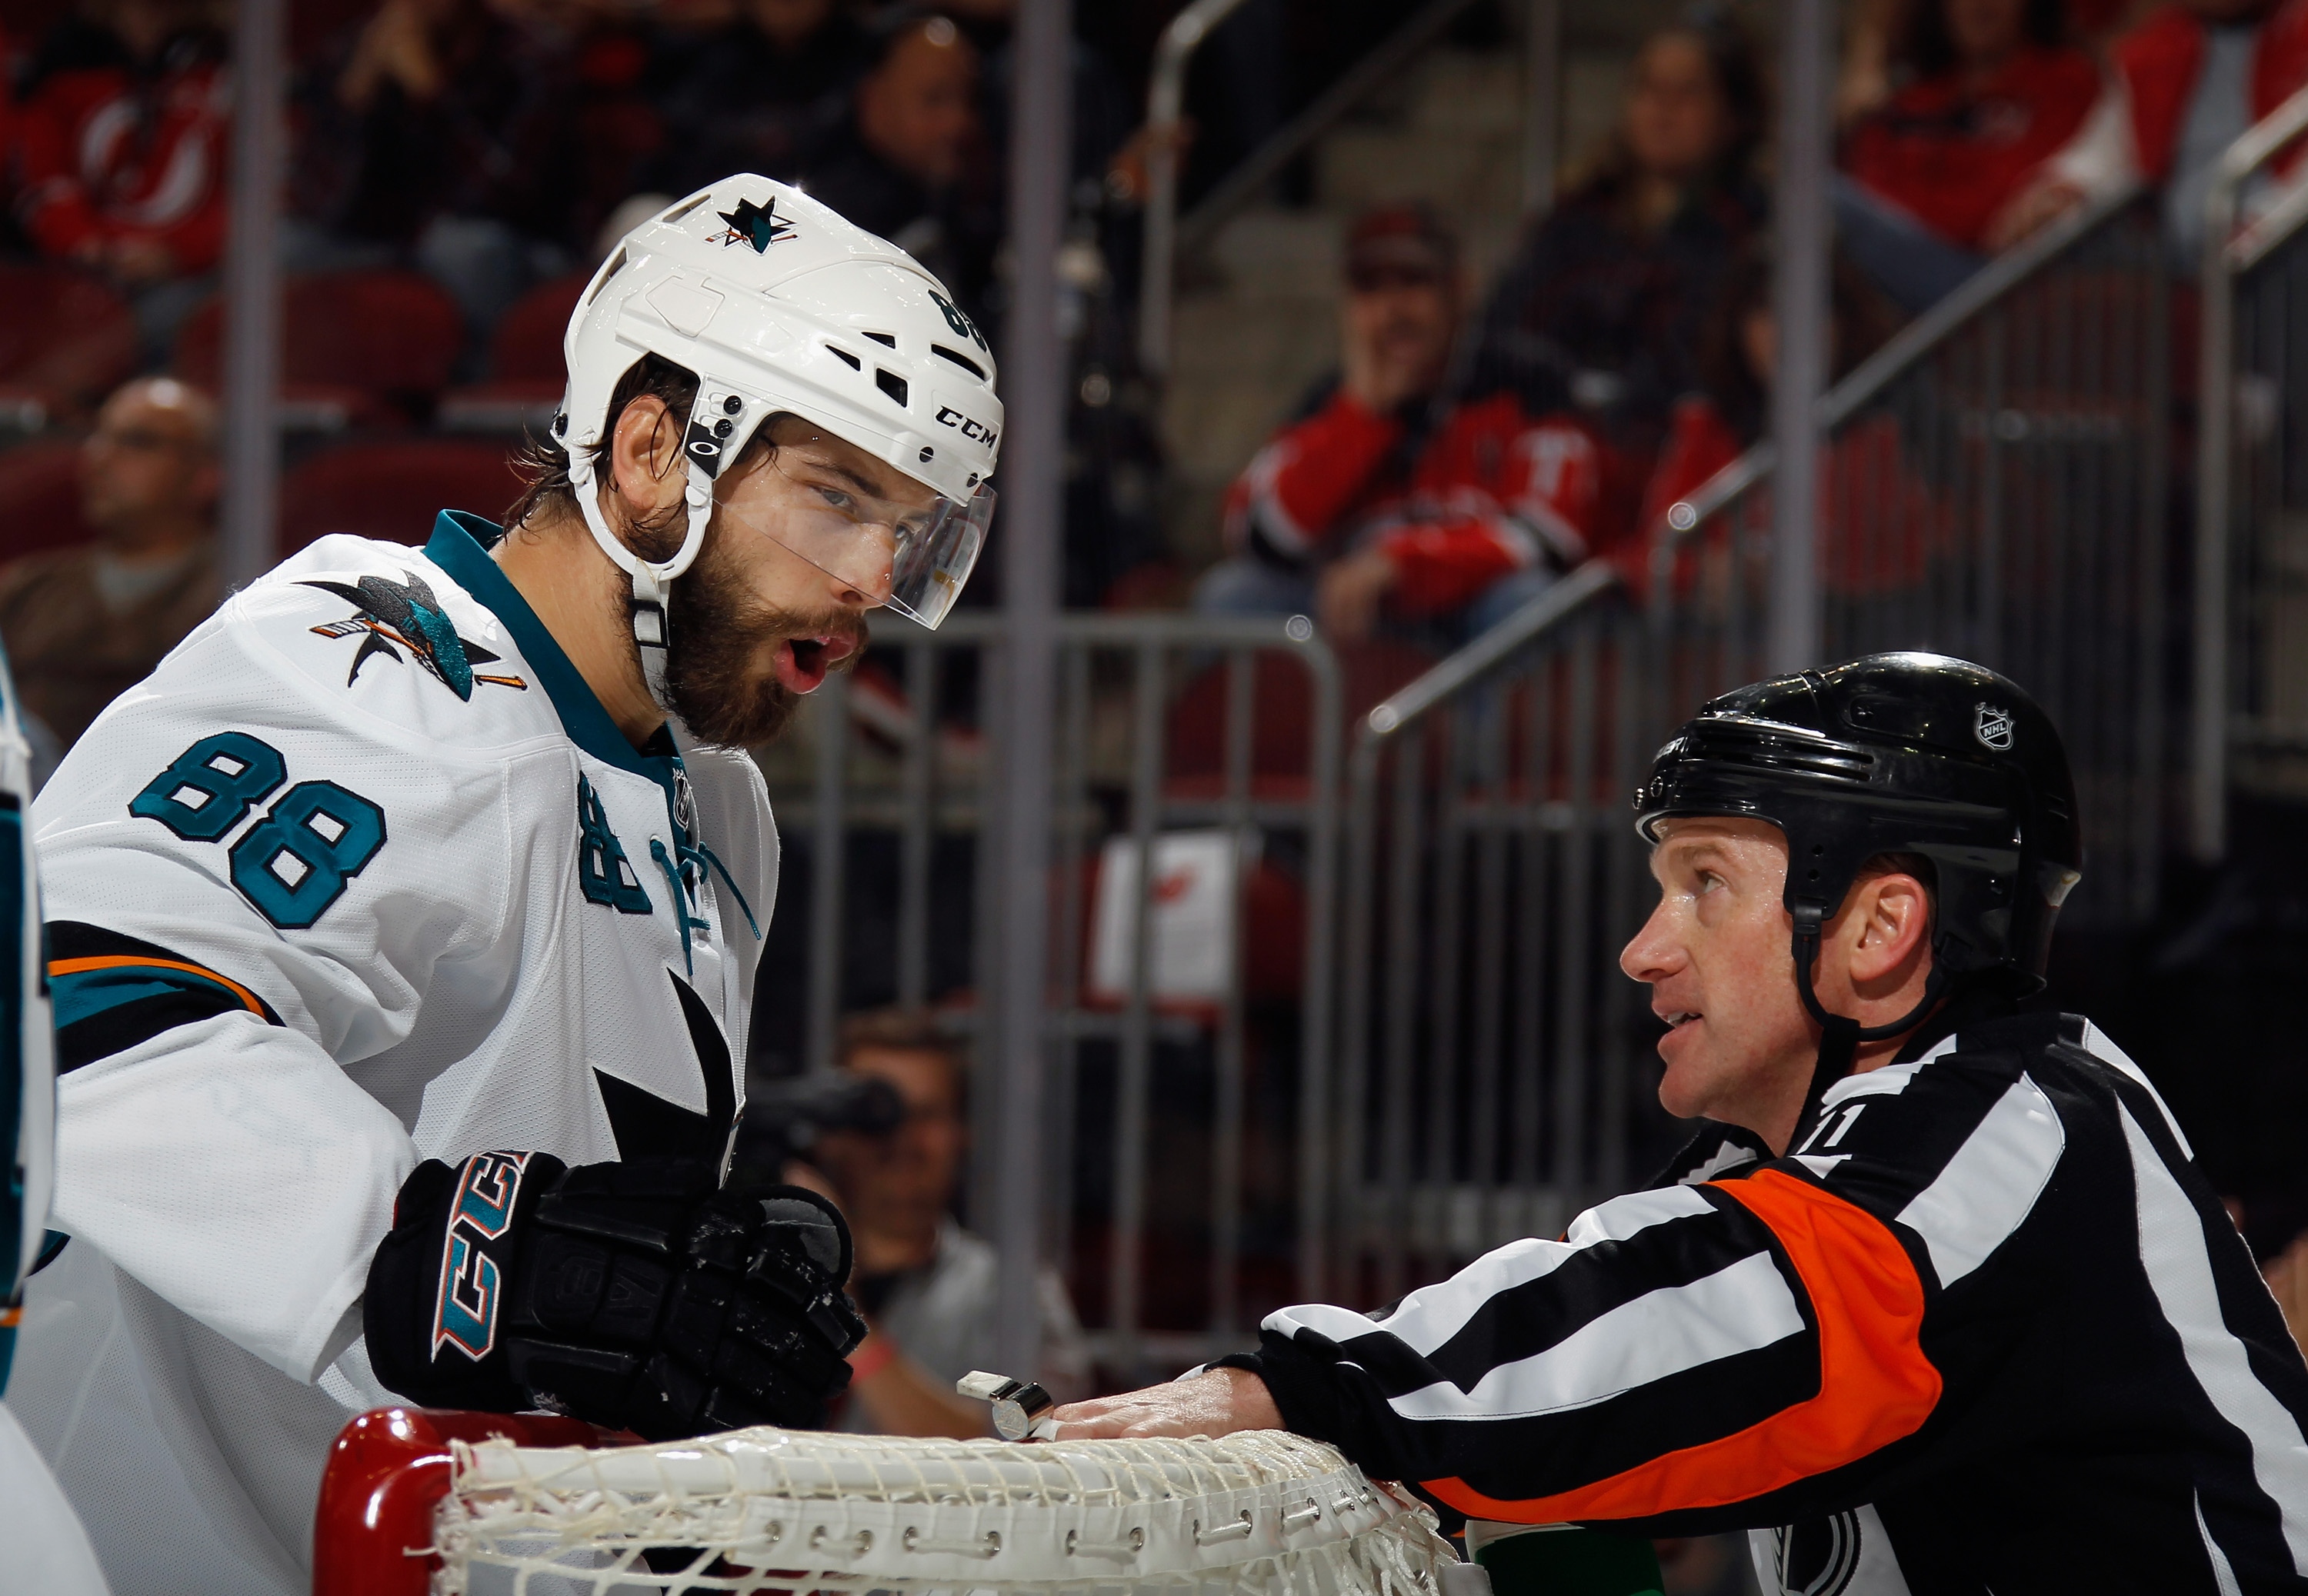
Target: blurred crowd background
1452	351
1403	403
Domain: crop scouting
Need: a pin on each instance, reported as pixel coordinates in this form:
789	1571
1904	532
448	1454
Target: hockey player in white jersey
403	923
42	1546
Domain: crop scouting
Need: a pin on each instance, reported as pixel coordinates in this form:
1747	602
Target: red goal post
388	1472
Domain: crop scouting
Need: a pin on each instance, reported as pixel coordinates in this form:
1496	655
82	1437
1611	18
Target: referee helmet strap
1841	1036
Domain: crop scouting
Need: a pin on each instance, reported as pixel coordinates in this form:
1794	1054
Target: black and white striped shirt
1985	1329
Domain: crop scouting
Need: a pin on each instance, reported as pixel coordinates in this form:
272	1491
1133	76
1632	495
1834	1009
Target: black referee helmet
1894	753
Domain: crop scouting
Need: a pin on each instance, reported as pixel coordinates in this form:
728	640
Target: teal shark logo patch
390	616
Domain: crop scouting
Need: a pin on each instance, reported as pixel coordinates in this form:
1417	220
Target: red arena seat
525	371
1283	709
39	498
66	340
392	489
356	343
526	344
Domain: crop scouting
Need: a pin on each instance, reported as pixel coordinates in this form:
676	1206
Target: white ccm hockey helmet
781	306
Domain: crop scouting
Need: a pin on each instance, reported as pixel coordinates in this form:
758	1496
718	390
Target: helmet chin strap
652	579
1839	1046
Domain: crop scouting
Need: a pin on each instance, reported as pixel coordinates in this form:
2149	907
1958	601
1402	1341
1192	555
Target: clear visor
900	543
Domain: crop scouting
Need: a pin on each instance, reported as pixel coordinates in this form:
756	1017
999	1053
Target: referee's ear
1886	928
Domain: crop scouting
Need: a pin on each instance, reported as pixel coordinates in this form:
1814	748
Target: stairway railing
1416	1044
2250	699
1167	237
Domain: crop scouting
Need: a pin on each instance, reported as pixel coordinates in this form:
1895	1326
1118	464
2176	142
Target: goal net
469	1509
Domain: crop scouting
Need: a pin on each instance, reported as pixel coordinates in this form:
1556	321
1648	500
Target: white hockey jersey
363	874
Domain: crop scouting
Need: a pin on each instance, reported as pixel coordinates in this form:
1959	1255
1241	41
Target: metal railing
1180	1077
1490	875
1992	484
252	287
1413	1043
1167	237
2251	664
1996	486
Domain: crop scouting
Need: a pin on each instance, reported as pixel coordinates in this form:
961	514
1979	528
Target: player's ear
645	459
645	472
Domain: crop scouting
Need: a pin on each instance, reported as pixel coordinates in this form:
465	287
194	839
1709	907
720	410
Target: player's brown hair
543	463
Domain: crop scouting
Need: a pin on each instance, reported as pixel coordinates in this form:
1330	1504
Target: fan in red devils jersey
1937	1303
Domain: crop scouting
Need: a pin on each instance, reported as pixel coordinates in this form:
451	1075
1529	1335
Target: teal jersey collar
459	545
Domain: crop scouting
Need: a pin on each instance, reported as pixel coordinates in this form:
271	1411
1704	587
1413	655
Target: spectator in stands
620	130
1116	554
122	154
442	132
913	165
928	1288
1992	94
1381	504
1600	306
2187	82
84	624
766	94
1876	33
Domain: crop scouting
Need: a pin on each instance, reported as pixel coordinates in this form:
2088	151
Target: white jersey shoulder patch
379	628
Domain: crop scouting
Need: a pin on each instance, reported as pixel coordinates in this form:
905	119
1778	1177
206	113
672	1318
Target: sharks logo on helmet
407	613
760	226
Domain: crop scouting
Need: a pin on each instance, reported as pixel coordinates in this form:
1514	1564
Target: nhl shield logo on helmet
1992	726
1889	754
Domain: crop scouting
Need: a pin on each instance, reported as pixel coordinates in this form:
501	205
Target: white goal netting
766	1510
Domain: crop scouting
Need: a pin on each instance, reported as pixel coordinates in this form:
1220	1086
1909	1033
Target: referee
1937	1303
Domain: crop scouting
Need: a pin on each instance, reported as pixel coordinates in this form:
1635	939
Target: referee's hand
1217	1401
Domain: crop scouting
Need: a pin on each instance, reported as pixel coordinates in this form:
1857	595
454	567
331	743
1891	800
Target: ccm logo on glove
467	1316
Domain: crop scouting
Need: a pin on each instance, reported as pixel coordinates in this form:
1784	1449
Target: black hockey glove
633	1295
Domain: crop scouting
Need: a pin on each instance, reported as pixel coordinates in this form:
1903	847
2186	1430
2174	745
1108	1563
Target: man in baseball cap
1386	505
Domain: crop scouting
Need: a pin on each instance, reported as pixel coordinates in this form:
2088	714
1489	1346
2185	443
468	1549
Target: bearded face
738	665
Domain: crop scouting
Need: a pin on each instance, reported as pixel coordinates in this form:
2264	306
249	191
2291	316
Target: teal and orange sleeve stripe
113	991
